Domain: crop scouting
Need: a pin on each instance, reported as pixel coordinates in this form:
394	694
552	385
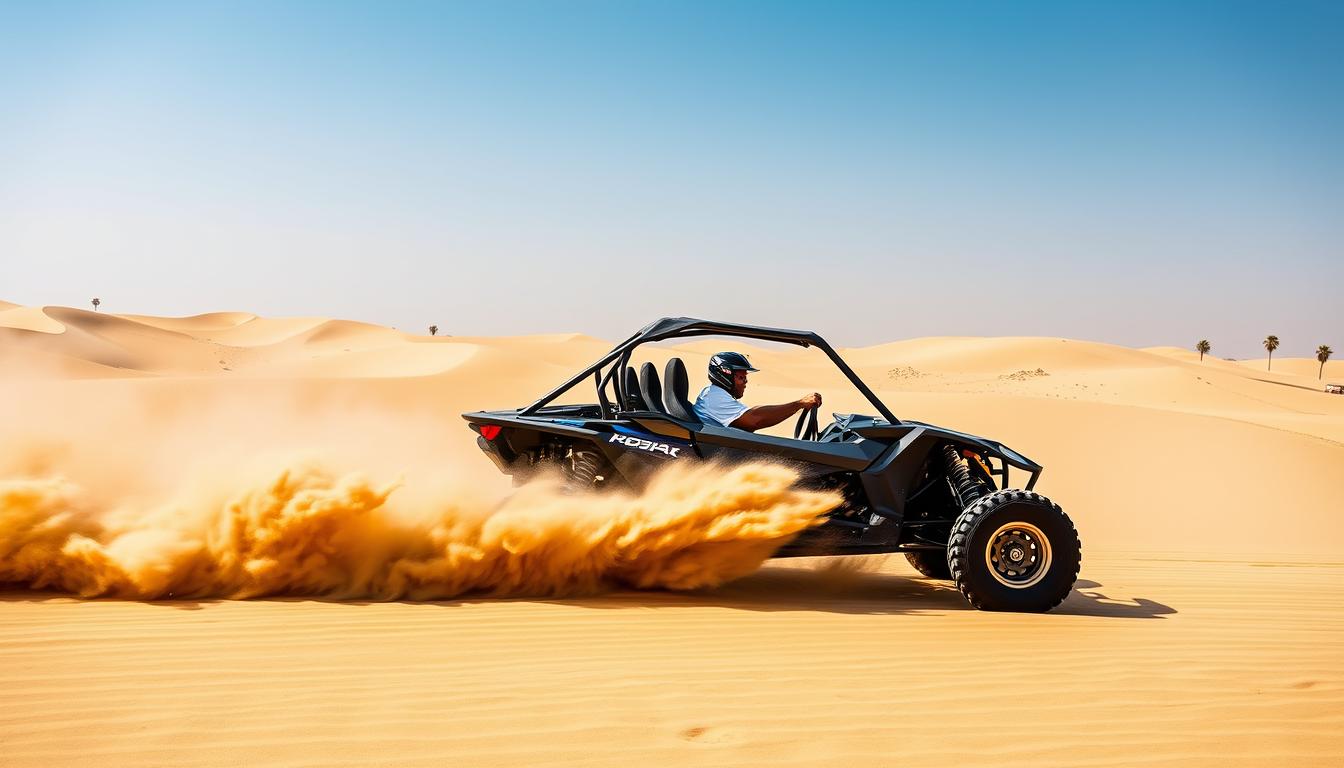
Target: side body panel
876	465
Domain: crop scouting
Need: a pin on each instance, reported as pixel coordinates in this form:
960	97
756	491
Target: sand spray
156	495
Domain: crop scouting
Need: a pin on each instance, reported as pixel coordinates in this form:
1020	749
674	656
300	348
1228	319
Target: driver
719	402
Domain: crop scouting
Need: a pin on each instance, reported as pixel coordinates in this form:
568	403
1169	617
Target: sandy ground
1205	628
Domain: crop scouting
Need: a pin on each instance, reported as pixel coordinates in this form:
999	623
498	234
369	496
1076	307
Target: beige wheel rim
1018	555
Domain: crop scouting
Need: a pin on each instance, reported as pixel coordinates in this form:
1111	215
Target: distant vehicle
939	496
1335	389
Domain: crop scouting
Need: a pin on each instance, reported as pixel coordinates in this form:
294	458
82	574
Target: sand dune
1205	629
1305	367
34	319
222	342
263	331
1005	354
196	324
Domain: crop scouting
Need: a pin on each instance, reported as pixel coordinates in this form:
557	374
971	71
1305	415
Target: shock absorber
583	472
959	477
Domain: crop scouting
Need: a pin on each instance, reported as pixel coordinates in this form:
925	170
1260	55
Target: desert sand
196	461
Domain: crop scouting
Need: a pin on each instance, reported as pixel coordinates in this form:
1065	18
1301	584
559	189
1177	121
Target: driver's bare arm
764	416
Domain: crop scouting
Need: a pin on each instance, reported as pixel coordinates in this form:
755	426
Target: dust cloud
154	495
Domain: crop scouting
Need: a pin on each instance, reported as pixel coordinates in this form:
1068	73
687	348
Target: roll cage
686	327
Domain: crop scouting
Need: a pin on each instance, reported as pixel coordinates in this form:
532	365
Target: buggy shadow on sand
939	496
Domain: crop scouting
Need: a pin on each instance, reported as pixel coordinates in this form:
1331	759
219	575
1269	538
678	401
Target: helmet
722	365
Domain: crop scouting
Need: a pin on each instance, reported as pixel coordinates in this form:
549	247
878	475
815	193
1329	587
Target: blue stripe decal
571	422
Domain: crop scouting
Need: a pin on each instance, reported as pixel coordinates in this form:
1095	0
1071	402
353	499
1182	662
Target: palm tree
1202	347
96	302
1271	343
1323	353
433	329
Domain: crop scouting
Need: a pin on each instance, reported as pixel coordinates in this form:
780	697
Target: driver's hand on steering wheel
810	401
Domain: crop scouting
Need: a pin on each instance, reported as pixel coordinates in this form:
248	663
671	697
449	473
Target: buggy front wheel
1014	551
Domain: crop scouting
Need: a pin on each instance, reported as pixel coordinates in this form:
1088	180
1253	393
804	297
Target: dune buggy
939	496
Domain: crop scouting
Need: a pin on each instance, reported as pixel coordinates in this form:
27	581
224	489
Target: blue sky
1140	173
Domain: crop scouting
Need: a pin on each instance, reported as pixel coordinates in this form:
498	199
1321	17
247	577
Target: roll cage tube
619	373
679	327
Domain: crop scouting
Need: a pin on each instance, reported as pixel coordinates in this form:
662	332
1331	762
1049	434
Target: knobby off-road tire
930	562
1014	551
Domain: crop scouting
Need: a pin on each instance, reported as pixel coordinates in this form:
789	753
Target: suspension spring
584	468
963	485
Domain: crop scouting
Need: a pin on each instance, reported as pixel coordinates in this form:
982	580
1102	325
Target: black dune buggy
937	495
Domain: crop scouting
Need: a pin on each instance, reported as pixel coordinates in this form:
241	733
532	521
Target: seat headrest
633	400
676	391
651	388
675	379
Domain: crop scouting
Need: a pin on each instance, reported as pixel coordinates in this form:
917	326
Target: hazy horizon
1147	174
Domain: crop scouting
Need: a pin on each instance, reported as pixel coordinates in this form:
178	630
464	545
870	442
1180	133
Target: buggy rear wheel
930	562
1014	551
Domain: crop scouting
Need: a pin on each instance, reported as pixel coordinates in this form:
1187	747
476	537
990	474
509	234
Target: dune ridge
235	343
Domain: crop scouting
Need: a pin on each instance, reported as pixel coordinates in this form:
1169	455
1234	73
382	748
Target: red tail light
490	431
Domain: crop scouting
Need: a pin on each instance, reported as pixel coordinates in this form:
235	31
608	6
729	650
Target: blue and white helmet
722	365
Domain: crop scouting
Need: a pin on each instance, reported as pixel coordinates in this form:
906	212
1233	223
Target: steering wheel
806	428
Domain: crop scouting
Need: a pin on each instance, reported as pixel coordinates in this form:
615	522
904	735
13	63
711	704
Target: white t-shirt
716	405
